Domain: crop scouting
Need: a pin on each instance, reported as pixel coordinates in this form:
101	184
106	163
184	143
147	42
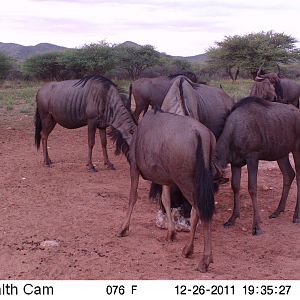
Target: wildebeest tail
204	186
38	128
155	191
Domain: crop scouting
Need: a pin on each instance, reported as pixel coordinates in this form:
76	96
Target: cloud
173	26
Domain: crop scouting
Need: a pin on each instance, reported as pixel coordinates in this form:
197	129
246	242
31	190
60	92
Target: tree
94	59
250	51
136	59
44	66
75	63
6	65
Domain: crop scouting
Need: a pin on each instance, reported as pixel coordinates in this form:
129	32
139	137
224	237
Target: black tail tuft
155	191
205	187
38	128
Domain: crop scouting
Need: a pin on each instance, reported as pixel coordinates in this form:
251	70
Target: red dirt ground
83	211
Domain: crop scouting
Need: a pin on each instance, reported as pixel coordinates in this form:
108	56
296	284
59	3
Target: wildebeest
171	149
152	91
263	89
287	91
93	101
255	130
208	105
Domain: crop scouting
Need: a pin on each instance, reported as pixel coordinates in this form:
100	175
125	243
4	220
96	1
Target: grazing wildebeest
287	90
255	130
152	91
208	105
170	149
93	101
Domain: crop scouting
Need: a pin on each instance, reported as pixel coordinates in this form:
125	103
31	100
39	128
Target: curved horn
259	70
259	78
278	74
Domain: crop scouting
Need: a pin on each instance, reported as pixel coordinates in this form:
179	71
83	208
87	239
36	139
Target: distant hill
21	52
199	57
129	44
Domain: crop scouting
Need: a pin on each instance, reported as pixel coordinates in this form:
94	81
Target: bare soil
61	222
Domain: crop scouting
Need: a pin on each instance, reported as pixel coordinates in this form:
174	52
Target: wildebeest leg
92	126
166	201
235	185
252	165
103	139
207	252
141	104
189	247
48	124
296	216
288	177
134	176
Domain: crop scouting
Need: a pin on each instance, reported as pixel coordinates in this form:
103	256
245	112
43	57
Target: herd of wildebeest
185	142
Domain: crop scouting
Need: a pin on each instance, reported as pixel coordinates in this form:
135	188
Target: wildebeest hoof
110	166
275	214
48	163
296	220
256	231
122	233
203	265
171	237
202	268
229	223
92	169
187	251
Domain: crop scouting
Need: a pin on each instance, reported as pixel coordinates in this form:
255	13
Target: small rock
266	188
50	243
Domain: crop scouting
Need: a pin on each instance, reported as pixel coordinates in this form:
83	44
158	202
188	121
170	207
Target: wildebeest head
267	86
264	89
190	75
272	77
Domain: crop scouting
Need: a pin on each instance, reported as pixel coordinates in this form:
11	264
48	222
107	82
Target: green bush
6	65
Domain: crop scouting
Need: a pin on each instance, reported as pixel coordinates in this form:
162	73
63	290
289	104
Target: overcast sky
186	27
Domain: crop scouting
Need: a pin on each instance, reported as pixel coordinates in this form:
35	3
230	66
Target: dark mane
121	144
249	101
190	75
103	79
172	76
